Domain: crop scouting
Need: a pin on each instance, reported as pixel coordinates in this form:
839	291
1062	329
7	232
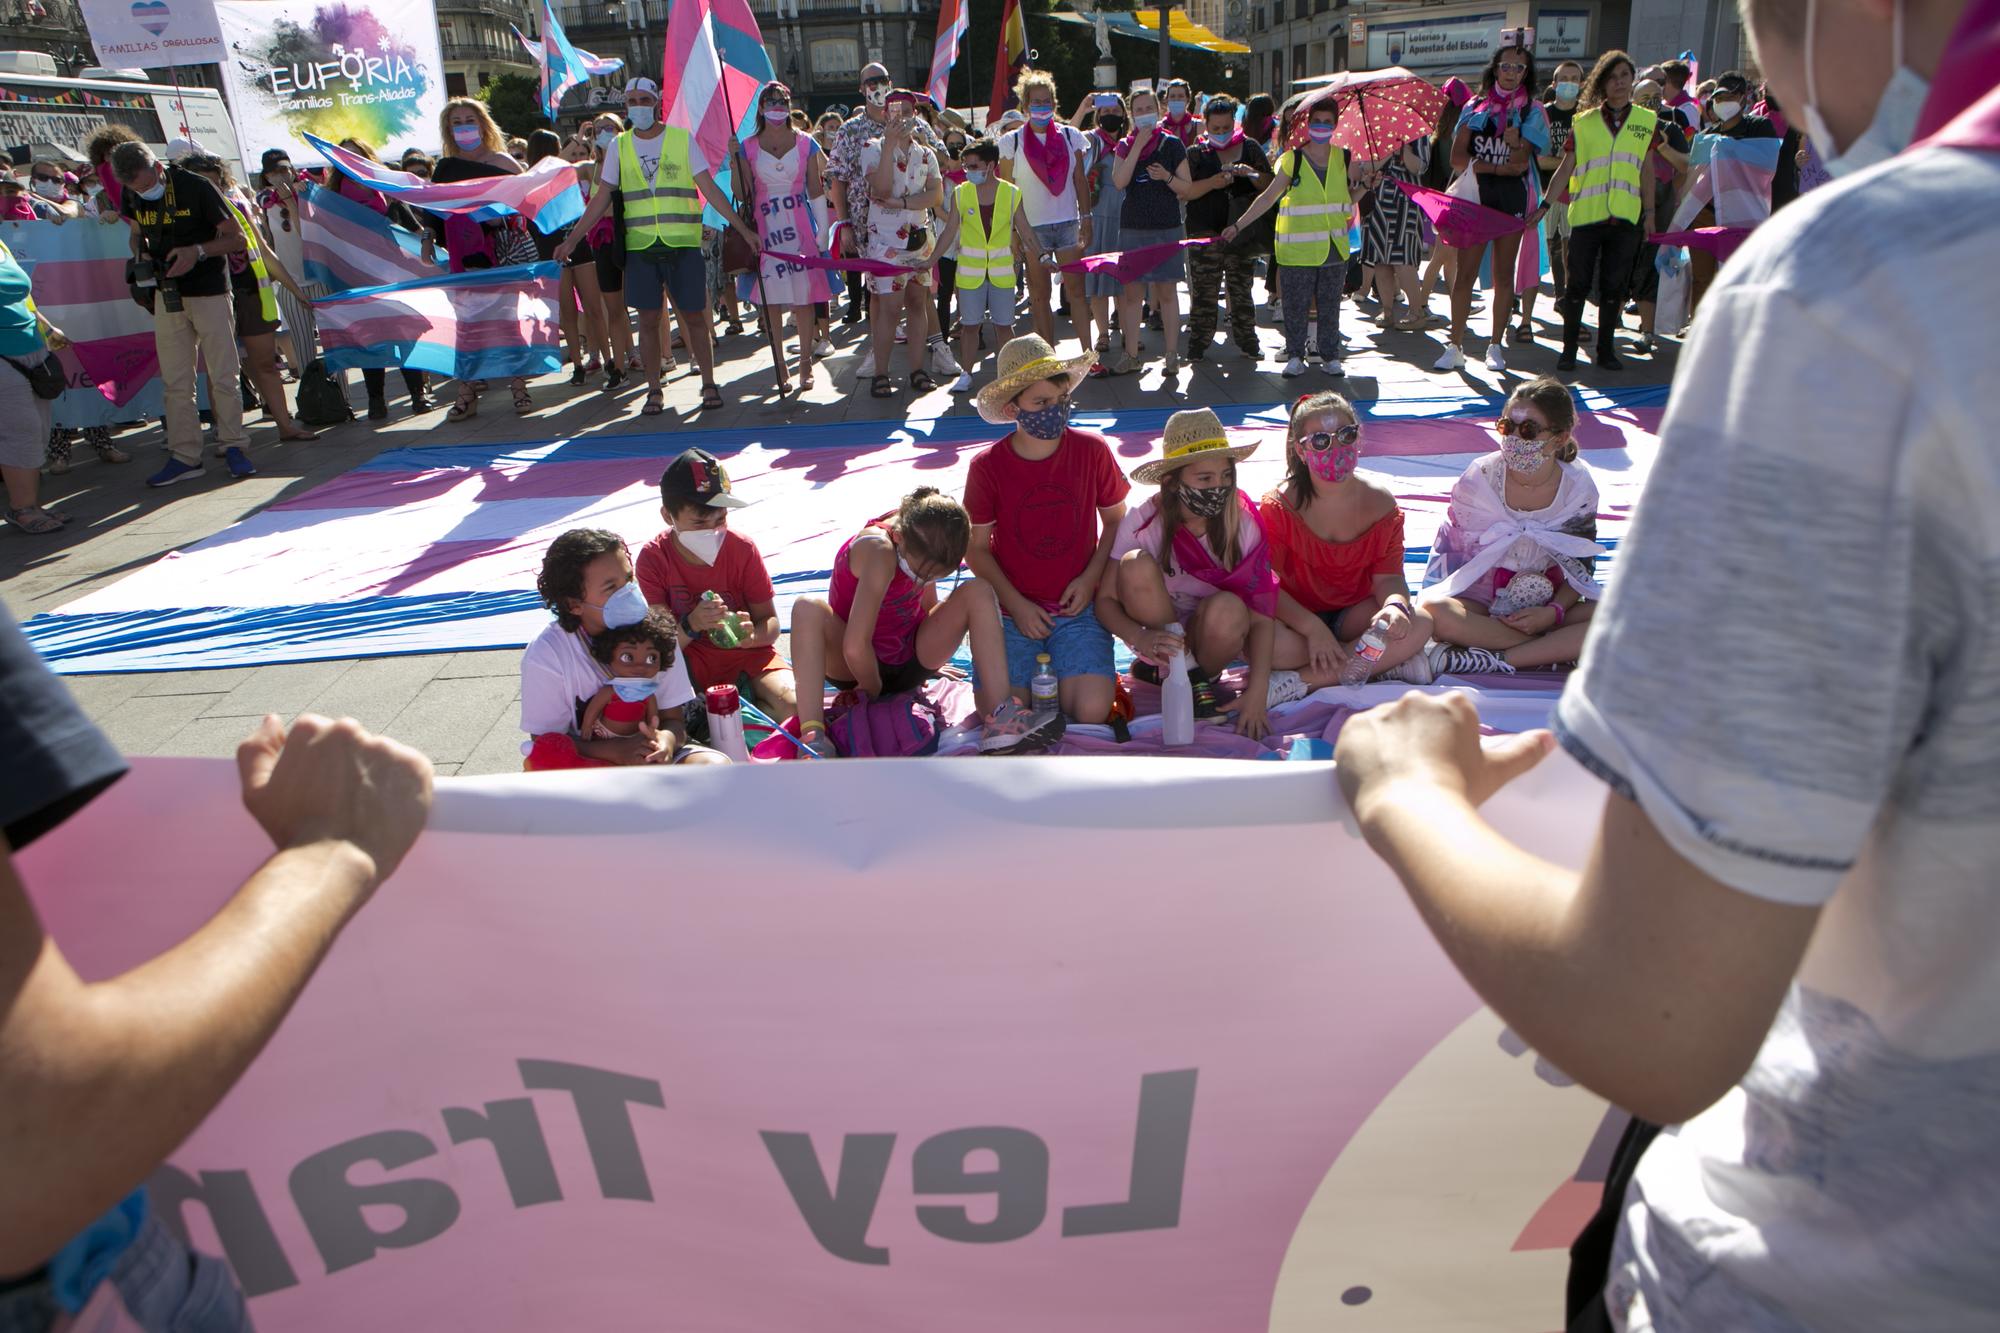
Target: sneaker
1119	362
963	384
1312	341
1198	353
1418	670
1567	361
1450	660
1014	730
867	369
613	377
239	463
943	363
1495	358
1284	687
1171	365
1250	350
1295	368
824	347
174	471
576	377
1333	367
1453	359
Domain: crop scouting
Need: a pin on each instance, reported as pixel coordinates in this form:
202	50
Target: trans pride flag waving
715	64
563	66
482	324
546	194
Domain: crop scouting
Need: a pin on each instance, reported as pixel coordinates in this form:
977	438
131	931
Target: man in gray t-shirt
1785	946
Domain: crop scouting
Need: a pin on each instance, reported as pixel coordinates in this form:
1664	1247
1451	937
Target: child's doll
635	655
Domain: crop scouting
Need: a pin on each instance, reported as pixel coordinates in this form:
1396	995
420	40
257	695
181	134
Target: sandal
466	407
711	397
656	403
34	521
882	387
522	403
921	381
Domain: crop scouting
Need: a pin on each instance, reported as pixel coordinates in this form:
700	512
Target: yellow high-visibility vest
1313	213
665	210
983	259
1605	183
267	297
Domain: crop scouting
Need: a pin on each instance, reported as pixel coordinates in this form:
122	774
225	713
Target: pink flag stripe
1125	265
1721	242
77	281
465	334
120	366
880	268
546	193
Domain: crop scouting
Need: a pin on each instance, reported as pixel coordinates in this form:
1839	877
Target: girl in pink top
882	629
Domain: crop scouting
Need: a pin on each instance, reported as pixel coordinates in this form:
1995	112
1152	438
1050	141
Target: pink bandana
1252	579
1234	139
1048	154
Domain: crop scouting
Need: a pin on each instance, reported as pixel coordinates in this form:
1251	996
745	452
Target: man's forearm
104	1081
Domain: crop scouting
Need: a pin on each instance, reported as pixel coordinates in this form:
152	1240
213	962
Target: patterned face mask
1522	455
1333	455
1045	423
1208	502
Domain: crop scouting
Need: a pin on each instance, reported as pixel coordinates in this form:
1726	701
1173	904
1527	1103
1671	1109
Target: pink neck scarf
1234	139
17	209
1048	154
1252	579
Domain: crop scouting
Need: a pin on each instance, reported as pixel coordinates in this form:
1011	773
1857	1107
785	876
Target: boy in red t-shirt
698	553
1045	504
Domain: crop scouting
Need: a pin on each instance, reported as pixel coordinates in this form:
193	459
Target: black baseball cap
696	478
273	156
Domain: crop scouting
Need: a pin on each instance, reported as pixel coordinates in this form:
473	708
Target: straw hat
1027	360
1191	435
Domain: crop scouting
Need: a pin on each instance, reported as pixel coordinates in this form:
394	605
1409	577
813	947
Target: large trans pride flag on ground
436	549
482	324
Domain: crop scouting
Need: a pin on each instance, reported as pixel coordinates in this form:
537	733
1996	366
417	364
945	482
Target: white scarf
1480	527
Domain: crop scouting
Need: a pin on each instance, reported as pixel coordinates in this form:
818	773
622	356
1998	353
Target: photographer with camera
182	232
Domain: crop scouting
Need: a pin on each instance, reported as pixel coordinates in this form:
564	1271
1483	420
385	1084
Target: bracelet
688	628
1559	613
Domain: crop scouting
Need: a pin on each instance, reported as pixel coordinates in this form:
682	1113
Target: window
835	56
1299	70
1320	6
1278	74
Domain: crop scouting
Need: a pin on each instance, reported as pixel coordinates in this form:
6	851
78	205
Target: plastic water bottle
1177	697
1042	687
725	722
1368	650
725	634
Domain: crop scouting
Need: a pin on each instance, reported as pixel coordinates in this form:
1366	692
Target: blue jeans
164	1287
1077	646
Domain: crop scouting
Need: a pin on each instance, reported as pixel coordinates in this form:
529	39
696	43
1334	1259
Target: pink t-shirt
902	611
1143	531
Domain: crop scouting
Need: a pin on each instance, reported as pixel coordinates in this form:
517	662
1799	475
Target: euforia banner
367	70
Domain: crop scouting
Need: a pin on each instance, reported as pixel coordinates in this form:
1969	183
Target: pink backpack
898	727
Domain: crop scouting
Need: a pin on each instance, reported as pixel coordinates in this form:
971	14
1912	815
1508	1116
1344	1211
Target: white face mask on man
1895	121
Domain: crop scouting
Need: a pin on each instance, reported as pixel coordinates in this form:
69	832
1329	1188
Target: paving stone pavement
461	708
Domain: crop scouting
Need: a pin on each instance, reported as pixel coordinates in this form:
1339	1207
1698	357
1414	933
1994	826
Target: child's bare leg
1470	625
1087	698
816	649
1564	643
778	695
1142	591
1220	630
971	609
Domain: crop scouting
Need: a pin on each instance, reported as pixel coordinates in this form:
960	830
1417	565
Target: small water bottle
725	722
1042	688
725	634
1177	697
1368	650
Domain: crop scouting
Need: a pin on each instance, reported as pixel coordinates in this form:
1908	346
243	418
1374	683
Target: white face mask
605	138
703	544
877	96
1727	111
1895	122
640	116
48	189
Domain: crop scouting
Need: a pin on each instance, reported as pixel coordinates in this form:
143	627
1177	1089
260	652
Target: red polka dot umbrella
1380	111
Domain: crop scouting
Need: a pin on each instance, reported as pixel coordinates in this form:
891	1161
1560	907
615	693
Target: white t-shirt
648	153
1142	530
1796	673
558	675
1043	207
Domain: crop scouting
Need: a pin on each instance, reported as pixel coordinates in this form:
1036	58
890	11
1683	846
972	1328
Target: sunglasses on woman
1322	440
1527	430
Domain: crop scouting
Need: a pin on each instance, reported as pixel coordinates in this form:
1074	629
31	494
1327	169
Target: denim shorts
985	304
678	270
1077	646
1057	235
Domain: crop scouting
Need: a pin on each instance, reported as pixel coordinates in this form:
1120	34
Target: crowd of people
942	226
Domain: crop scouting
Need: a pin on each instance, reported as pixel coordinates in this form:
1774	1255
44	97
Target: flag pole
806	336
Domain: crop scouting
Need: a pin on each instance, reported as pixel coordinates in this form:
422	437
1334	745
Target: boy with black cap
697	554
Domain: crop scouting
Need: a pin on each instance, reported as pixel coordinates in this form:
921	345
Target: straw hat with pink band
1192	435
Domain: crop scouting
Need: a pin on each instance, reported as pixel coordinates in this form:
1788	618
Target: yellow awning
1181	28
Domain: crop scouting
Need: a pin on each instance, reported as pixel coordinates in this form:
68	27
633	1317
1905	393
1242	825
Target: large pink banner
1056	1045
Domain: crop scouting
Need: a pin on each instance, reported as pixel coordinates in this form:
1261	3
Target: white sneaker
1284	687
963	384
1453	359
1295	368
1312	341
1418	670
867	369
1495	358
943	363
1332	366
824	347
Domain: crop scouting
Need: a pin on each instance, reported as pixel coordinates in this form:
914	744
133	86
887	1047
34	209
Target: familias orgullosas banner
1061	1046
367	70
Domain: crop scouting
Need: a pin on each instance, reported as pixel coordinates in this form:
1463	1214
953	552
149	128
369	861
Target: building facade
54	28
1303	39
477	46
1712	29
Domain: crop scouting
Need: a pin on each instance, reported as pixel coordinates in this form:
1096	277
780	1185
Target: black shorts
250	319
1507	194
585	253
898	679
610	273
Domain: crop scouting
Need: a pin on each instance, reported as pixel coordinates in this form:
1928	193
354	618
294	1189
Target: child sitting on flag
1195	556
635	655
985	222
882	629
730	636
1510	578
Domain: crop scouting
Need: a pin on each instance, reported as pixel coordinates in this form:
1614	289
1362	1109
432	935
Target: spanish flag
1010	57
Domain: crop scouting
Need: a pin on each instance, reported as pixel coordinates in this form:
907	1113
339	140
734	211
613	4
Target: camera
170	295
144	273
